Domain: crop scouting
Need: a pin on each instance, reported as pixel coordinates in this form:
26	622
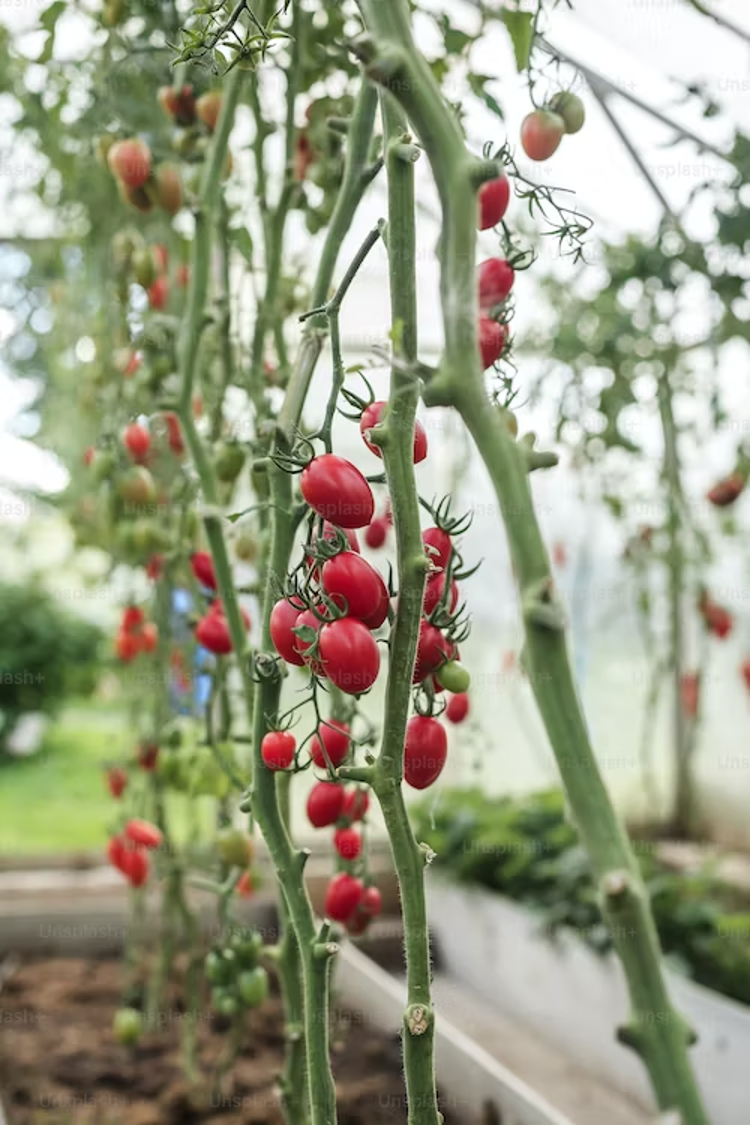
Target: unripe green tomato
162	365
208	779
225	1003
217	969
229	457
144	267
136	486
247	947
103	465
246	546
235	848
127	1026
253	987
453	677
570	108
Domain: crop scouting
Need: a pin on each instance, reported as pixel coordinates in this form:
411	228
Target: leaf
455	40
477	82
51	15
241	238
520	27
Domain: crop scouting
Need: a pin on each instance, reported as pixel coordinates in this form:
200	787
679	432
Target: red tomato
371	901
148	753
356	804
349	655
130	162
208	107
433	592
492	339
332	736
372	415
136	867
154	567
202	566
137	441
343	896
283	619
126	646
376	532
541	133
424	751
726	491
745	670
433	648
495	278
356	588
143	833
244	885
178	104
689	693
324	804
494	197
212	632
116	852
348	843
336	490
132	618
148	639
277	750
305	648
217	607
718	620
158	293
117	781
438	546
174	433
458	708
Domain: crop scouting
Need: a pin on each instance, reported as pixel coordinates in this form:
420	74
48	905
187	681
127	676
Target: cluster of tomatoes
135	635
128	851
543	129
237	981
212	631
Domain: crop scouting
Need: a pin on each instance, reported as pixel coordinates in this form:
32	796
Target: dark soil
59	1062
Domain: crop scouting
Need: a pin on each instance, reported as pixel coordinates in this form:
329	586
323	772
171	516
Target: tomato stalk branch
654	1029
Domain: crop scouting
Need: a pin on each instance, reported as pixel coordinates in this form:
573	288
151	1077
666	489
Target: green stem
654	1029
396	438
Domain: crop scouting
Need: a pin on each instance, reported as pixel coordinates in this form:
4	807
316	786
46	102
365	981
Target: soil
59	1061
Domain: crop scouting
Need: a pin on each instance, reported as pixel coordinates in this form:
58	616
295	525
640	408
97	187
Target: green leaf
520	27
240	236
455	40
478	82
51	15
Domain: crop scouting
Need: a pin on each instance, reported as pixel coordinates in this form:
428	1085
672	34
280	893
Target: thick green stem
396	438
654	1029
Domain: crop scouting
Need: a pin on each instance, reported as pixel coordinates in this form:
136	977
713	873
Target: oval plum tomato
371	901
494	197
143	833
253	987
167	189
136	866
331	533
343	896
136	440
717	619
132	619
495	279
277	750
178	104
458	708
148	753
116	852
570	108
453	676
174	433
202	566
438	546
433	592
492	339
336	490
306	646
158	293
541	133
324	804
424	751
349	655
212	632
234	847
356	588
117	781
376	532
333	736
283	619
726	491
148	638
356	804
130	162
433	649
348	843
208	108
126	646
373	414
154	567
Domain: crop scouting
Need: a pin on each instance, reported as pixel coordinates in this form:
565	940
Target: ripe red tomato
458	708
143	833
334	737
305	648
438	546
356	804
348	843
376	532
433	648
148	753
130	162
718	620
277	749
495	279
283	619
494	197
154	567
117	780
433	592
336	490
541	133
689	693
136	440
492	339
372	415
136	867
208	108
212	632
244	885
202	566
356	588
745	670
371	901
343	896
158	293
349	655
174	433
324	804
726	491
126	646
132	619
178	104
148	638
424	751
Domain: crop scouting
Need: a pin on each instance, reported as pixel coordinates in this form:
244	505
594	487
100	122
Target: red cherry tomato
492	338
434	592
356	804
343	897
137	441
458	708
117	781
726	491
148	753
283	620
495	279
541	133
130	162
143	833
158	293
372	415
148	638
174	433
349	655
136	867
334	737
424	751
212	632
376	532
494	197
336	490
324	804
356	588
126	646
132	618
433	648
202	566
348	843
277	750
438	546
